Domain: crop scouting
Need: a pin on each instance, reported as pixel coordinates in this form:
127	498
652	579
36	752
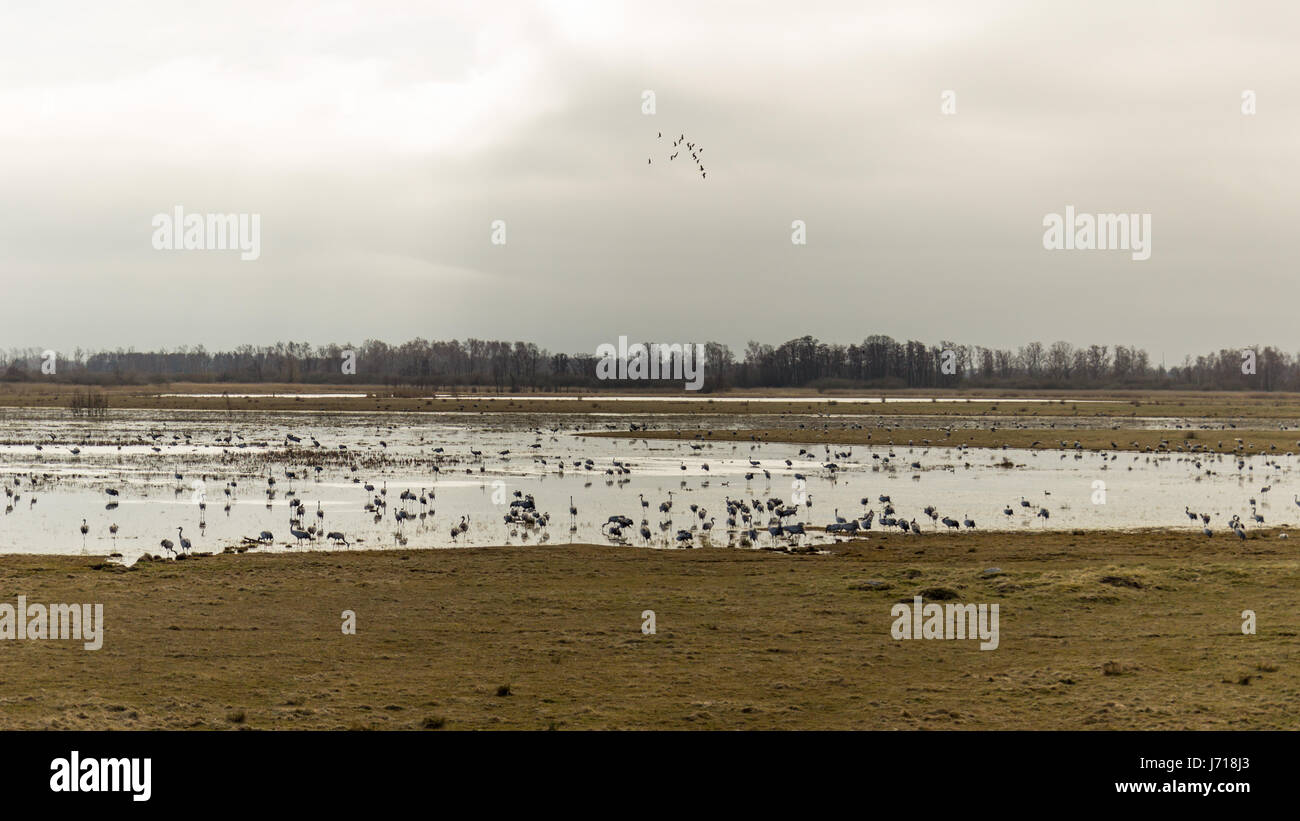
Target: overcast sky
379	140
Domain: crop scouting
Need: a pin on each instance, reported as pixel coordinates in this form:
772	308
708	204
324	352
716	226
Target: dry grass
1105	630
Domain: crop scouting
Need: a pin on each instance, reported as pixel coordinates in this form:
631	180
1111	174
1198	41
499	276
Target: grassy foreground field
1104	631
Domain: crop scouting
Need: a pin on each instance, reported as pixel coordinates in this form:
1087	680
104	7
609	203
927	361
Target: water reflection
227	477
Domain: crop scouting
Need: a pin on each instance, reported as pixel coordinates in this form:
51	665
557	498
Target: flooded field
449	479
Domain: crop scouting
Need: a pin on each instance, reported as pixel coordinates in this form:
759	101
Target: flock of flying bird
694	148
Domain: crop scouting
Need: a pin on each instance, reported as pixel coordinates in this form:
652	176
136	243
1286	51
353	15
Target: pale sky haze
378	141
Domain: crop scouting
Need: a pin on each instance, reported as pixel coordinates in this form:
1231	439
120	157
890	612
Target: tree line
878	362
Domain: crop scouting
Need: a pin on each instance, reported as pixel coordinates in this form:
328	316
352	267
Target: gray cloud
379	142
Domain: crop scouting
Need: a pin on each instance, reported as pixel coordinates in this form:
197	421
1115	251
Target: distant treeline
878	362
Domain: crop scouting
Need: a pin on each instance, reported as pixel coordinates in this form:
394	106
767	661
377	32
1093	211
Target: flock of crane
1235	524
748	518
694	148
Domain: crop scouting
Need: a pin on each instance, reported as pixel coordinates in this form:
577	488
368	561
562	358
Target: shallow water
142	453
